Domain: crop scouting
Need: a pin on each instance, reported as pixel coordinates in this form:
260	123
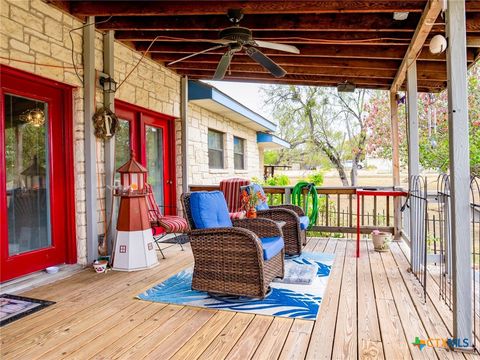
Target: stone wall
35	37
200	120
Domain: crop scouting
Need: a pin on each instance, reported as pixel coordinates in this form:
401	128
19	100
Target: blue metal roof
271	141
210	97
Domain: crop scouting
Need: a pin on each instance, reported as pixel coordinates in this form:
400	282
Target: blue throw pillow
263	205
209	210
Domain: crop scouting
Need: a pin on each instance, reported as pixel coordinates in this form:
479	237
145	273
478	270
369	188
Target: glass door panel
27	175
122	144
155	162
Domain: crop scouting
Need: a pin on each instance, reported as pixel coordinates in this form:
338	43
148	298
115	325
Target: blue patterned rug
286	300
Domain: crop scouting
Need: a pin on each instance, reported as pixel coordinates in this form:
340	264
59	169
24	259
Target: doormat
181	239
298	300
13	307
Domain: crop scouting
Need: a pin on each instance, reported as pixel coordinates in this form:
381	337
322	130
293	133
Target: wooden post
184	117
459	171
412	123
109	102
90	139
397	216
413	149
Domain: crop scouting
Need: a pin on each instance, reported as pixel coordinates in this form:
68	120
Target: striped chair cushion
154	213
173	224
231	191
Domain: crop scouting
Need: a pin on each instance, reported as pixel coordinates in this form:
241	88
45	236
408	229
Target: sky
247	94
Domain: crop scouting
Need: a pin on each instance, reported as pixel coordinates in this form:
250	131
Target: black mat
13	307
181	239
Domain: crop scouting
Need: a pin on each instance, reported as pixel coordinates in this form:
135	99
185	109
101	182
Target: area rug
286	300
14	307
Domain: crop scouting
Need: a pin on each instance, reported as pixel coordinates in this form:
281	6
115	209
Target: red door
37	213
151	136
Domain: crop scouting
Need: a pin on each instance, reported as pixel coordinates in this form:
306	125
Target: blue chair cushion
209	210
258	188
304	222
271	246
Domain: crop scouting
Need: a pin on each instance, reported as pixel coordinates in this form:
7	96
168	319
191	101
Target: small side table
361	193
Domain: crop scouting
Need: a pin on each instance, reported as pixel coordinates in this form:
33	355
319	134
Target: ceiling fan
237	38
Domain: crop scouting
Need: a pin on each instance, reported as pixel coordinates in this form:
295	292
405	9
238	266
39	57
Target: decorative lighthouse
134	243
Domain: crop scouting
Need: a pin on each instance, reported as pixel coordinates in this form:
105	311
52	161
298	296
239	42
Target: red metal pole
358	225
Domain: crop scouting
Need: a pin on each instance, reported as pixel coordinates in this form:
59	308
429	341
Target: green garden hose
297	193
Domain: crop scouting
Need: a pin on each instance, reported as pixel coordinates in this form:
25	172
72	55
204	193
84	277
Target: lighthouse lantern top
133	176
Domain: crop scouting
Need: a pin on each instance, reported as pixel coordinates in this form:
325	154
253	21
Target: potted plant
250	200
381	240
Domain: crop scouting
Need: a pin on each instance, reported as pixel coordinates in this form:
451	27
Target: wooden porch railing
337	208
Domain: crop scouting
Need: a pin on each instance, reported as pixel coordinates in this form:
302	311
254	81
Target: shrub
316	178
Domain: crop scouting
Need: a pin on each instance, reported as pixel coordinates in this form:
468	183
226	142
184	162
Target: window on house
215	149
238	153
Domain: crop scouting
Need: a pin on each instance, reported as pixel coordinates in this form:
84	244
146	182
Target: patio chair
231	190
296	223
239	257
163	225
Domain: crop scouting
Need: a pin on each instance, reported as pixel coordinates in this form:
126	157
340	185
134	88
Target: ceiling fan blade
197	53
223	65
276	46
266	62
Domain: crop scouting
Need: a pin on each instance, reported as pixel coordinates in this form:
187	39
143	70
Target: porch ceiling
356	41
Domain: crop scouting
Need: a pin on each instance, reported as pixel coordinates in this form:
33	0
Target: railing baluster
388	210
374	210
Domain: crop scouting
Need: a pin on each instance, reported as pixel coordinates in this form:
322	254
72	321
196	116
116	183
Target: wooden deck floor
373	308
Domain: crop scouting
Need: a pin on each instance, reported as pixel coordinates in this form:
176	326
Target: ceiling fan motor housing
236	33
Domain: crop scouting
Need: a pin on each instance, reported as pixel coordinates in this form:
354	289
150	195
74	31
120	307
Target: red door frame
59	98
139	117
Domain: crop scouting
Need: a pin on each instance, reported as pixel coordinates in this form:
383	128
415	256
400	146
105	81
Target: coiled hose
312	193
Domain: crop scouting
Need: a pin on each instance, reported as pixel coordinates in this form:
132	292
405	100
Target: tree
318	120
433	126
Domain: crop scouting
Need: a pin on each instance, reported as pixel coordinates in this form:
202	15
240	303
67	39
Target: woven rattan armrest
298	210
279	214
226	232
261	227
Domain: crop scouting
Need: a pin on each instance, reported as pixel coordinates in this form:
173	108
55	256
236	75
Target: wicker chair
296	223
230	260
163	225
231	190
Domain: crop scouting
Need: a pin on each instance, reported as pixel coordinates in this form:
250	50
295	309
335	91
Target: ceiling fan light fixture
400	15
346	87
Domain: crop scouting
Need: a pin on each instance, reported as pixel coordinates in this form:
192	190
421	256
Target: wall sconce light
109	85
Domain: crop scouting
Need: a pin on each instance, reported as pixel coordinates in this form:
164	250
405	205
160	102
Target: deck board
372	309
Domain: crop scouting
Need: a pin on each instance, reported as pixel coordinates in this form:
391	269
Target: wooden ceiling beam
338	51
291	37
274	22
429	15
317	70
206	74
304	61
304	81
281	81
169	8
